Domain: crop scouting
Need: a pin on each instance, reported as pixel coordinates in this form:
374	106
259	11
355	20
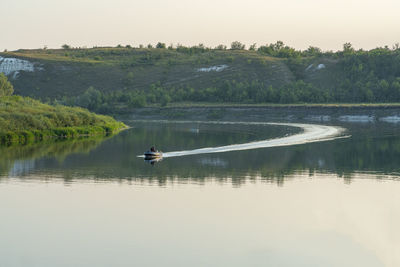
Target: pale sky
298	23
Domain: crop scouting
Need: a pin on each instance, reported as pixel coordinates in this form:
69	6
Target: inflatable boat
152	154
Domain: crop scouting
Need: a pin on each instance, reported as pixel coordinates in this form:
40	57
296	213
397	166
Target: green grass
48	55
25	120
69	72
125	75
136	56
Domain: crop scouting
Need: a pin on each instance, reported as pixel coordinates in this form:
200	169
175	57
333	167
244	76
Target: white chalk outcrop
12	66
316	67
213	68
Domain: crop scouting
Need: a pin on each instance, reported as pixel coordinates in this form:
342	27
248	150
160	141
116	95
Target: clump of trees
232	91
160	45
236	45
220	47
6	88
279	49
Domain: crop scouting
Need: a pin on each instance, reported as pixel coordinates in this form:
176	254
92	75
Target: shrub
6	88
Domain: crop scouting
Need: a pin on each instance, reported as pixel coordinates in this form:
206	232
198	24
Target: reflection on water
153	160
22	159
93	203
371	149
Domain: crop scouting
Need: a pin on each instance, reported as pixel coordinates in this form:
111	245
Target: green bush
24	120
6	88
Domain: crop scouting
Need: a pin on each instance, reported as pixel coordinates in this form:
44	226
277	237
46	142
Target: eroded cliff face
12	66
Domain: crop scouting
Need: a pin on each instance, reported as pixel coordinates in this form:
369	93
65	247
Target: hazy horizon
326	24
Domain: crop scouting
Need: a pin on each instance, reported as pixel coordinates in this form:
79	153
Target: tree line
277	49
254	92
362	76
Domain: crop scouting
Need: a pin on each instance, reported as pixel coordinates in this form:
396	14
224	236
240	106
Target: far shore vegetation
277	105
25	120
111	80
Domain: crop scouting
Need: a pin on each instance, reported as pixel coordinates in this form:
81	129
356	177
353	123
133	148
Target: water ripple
311	133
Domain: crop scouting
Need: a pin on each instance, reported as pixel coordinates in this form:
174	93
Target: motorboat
153	154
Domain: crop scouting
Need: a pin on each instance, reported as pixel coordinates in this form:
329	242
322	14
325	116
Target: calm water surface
95	203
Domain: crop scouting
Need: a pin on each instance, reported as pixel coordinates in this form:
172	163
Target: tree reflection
373	150
19	159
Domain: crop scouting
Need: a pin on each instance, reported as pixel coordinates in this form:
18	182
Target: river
225	194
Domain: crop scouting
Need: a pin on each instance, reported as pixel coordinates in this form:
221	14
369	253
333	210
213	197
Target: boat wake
311	133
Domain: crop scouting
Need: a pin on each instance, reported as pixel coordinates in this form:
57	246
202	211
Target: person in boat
153	149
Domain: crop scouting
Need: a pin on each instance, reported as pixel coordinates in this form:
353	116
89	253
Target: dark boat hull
152	155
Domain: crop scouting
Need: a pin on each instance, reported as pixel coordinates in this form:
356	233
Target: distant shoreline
302	105
318	113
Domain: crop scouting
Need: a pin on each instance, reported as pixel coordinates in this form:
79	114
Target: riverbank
123	110
271	105
319	113
25	120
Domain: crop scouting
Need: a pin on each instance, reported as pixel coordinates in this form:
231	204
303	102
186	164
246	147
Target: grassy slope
71	72
23	120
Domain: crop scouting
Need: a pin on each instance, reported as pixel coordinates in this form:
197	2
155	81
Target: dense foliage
23	119
118	78
6	87
371	76
230	91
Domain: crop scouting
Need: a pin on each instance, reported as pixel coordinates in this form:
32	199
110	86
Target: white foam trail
311	133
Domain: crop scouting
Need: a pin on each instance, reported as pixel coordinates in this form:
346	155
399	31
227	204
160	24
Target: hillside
70	72
125	77
24	120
